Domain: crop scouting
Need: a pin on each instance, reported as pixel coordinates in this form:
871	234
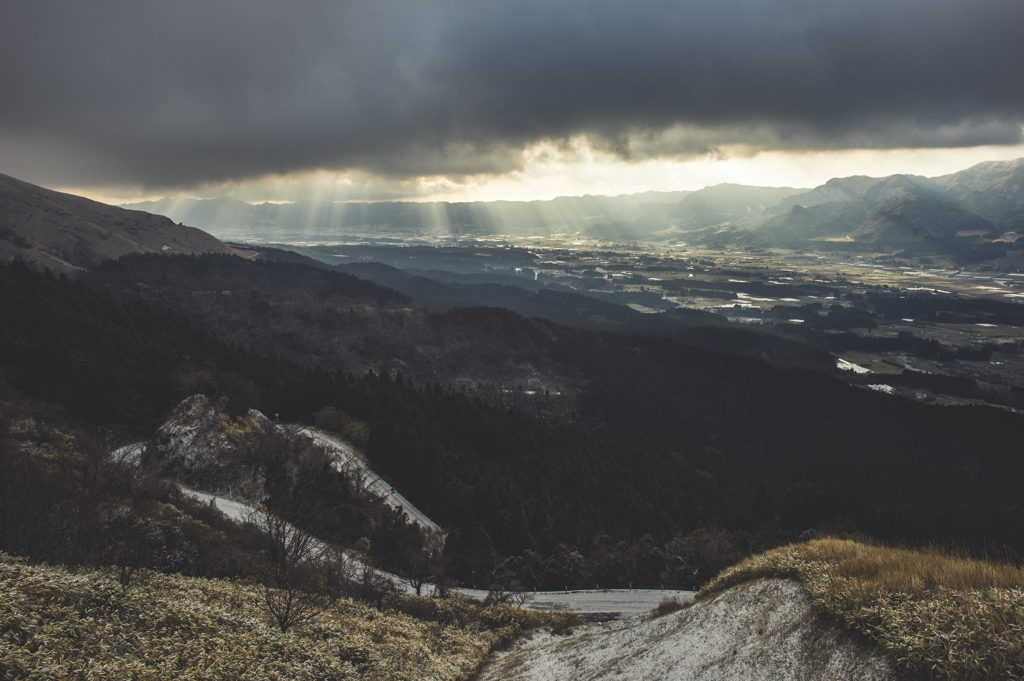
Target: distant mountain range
65	232
616	217
984	203
725	203
981	202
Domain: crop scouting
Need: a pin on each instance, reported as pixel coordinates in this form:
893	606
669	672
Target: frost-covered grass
79	624
938	614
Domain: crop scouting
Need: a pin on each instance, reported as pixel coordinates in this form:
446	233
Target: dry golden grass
938	614
667	606
58	623
462	612
913	571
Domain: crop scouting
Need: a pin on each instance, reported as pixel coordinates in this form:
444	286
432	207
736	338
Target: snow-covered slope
759	630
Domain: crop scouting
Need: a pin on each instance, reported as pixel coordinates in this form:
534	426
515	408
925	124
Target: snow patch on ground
352	462
759	630
193	438
238	512
129	453
241	513
605	604
845	365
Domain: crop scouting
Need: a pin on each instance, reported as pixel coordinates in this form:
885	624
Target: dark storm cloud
168	94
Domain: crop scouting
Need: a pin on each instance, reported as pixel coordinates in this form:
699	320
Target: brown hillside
65	232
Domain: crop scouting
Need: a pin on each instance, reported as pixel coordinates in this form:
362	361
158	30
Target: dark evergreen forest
666	441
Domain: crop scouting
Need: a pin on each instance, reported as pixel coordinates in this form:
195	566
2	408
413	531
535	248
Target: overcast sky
264	99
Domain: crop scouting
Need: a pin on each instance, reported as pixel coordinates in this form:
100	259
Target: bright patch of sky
548	172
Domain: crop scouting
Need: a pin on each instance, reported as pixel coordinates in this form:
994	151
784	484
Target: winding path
598	604
350	460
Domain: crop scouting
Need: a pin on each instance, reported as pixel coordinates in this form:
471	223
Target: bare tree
426	562
300	577
514	594
375	586
138	545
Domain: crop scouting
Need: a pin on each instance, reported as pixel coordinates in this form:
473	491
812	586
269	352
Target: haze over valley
982	201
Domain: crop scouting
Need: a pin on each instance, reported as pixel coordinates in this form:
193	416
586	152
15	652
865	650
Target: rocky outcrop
192	437
194	447
764	629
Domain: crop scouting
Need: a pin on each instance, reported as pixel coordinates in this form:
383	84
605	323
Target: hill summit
65	232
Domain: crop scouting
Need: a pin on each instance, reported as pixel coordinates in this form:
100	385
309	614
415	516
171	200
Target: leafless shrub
514	594
375	586
300	577
444	586
425	562
136	545
667	606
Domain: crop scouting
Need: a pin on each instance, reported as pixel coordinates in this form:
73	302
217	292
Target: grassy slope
65	232
937	614
78	624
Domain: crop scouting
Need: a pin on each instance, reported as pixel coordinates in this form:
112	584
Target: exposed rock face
205	450
760	630
193	437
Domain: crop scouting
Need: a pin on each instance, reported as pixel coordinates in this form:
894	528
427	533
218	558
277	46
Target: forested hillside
625	472
131	364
